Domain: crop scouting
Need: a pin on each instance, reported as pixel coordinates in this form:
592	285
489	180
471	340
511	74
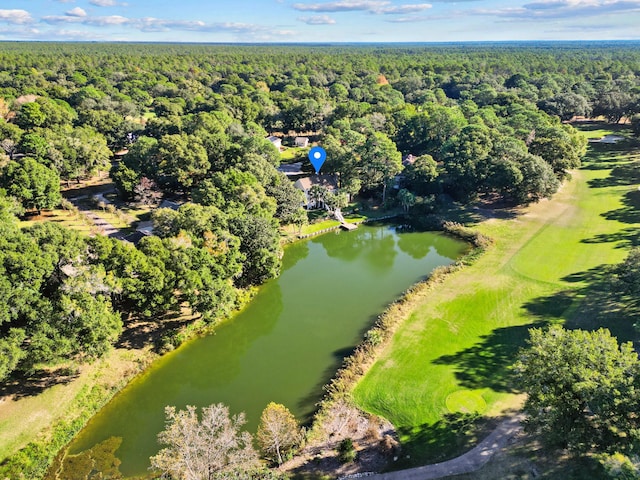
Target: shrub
347	451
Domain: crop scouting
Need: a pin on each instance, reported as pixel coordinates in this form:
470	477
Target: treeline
193	121
65	295
486	115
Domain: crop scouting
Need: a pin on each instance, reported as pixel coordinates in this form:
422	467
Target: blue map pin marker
317	155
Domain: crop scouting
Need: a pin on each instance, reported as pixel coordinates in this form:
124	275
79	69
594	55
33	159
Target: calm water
284	346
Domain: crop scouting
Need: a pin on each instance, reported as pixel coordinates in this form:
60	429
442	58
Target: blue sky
319	20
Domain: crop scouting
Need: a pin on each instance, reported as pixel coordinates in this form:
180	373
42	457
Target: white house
302	142
276	141
305	184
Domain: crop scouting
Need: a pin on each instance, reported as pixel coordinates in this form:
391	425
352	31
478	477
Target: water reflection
284	346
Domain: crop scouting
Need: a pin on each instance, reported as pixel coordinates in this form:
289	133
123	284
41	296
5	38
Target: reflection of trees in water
343	245
137	413
374	244
99	462
381	249
414	245
217	359
294	253
418	244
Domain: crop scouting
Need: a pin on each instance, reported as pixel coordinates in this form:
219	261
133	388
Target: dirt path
469	462
105	227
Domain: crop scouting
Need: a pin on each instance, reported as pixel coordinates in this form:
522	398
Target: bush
347	451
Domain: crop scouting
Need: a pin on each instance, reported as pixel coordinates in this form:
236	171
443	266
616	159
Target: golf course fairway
453	354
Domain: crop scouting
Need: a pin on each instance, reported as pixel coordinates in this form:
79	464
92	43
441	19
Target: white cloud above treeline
16	16
559	9
372	6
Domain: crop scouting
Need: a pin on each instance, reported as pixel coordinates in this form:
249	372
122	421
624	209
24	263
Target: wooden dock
348	226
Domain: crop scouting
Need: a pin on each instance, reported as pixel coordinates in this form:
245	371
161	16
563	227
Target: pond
284	346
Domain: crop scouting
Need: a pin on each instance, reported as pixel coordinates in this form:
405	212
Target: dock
348	226
343	223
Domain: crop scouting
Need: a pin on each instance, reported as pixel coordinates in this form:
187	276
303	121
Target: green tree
30	116
35	146
407	199
538	180
566	106
289	199
581	389
380	162
34	185
466	160
421	176
260	244
182	161
335	201
11	352
278	432
560	146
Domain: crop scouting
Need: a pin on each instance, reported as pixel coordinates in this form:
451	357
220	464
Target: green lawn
545	266
289	154
78	222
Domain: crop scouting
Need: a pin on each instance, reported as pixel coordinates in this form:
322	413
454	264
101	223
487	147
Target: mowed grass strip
467	333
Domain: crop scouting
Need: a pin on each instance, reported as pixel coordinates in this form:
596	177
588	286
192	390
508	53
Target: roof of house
169	204
145	227
291	168
409	160
302	140
273	139
134	237
327	181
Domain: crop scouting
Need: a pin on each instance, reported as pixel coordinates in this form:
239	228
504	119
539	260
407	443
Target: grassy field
546	266
28	414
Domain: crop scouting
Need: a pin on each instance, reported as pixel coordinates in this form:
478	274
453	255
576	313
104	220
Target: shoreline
323	435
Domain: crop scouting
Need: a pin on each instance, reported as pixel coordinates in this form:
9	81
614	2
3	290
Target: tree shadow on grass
453	435
621	175
29	385
595	303
630	212
625	238
591	305
487	363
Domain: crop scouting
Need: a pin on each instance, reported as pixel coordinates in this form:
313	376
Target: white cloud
86	20
410	19
244	31
318	20
403	9
28	33
555	9
103	3
372	6
76	12
15	16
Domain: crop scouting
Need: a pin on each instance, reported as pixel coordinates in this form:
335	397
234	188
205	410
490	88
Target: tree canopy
582	389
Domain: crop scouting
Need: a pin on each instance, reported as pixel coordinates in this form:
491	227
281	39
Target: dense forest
483	121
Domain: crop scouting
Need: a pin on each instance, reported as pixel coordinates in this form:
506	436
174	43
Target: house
146	228
134	237
169	204
302	142
409	160
276	141
291	169
307	183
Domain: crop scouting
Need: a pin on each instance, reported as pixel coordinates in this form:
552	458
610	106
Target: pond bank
376	438
284	345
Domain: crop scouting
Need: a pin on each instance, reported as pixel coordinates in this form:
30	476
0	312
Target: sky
318	20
